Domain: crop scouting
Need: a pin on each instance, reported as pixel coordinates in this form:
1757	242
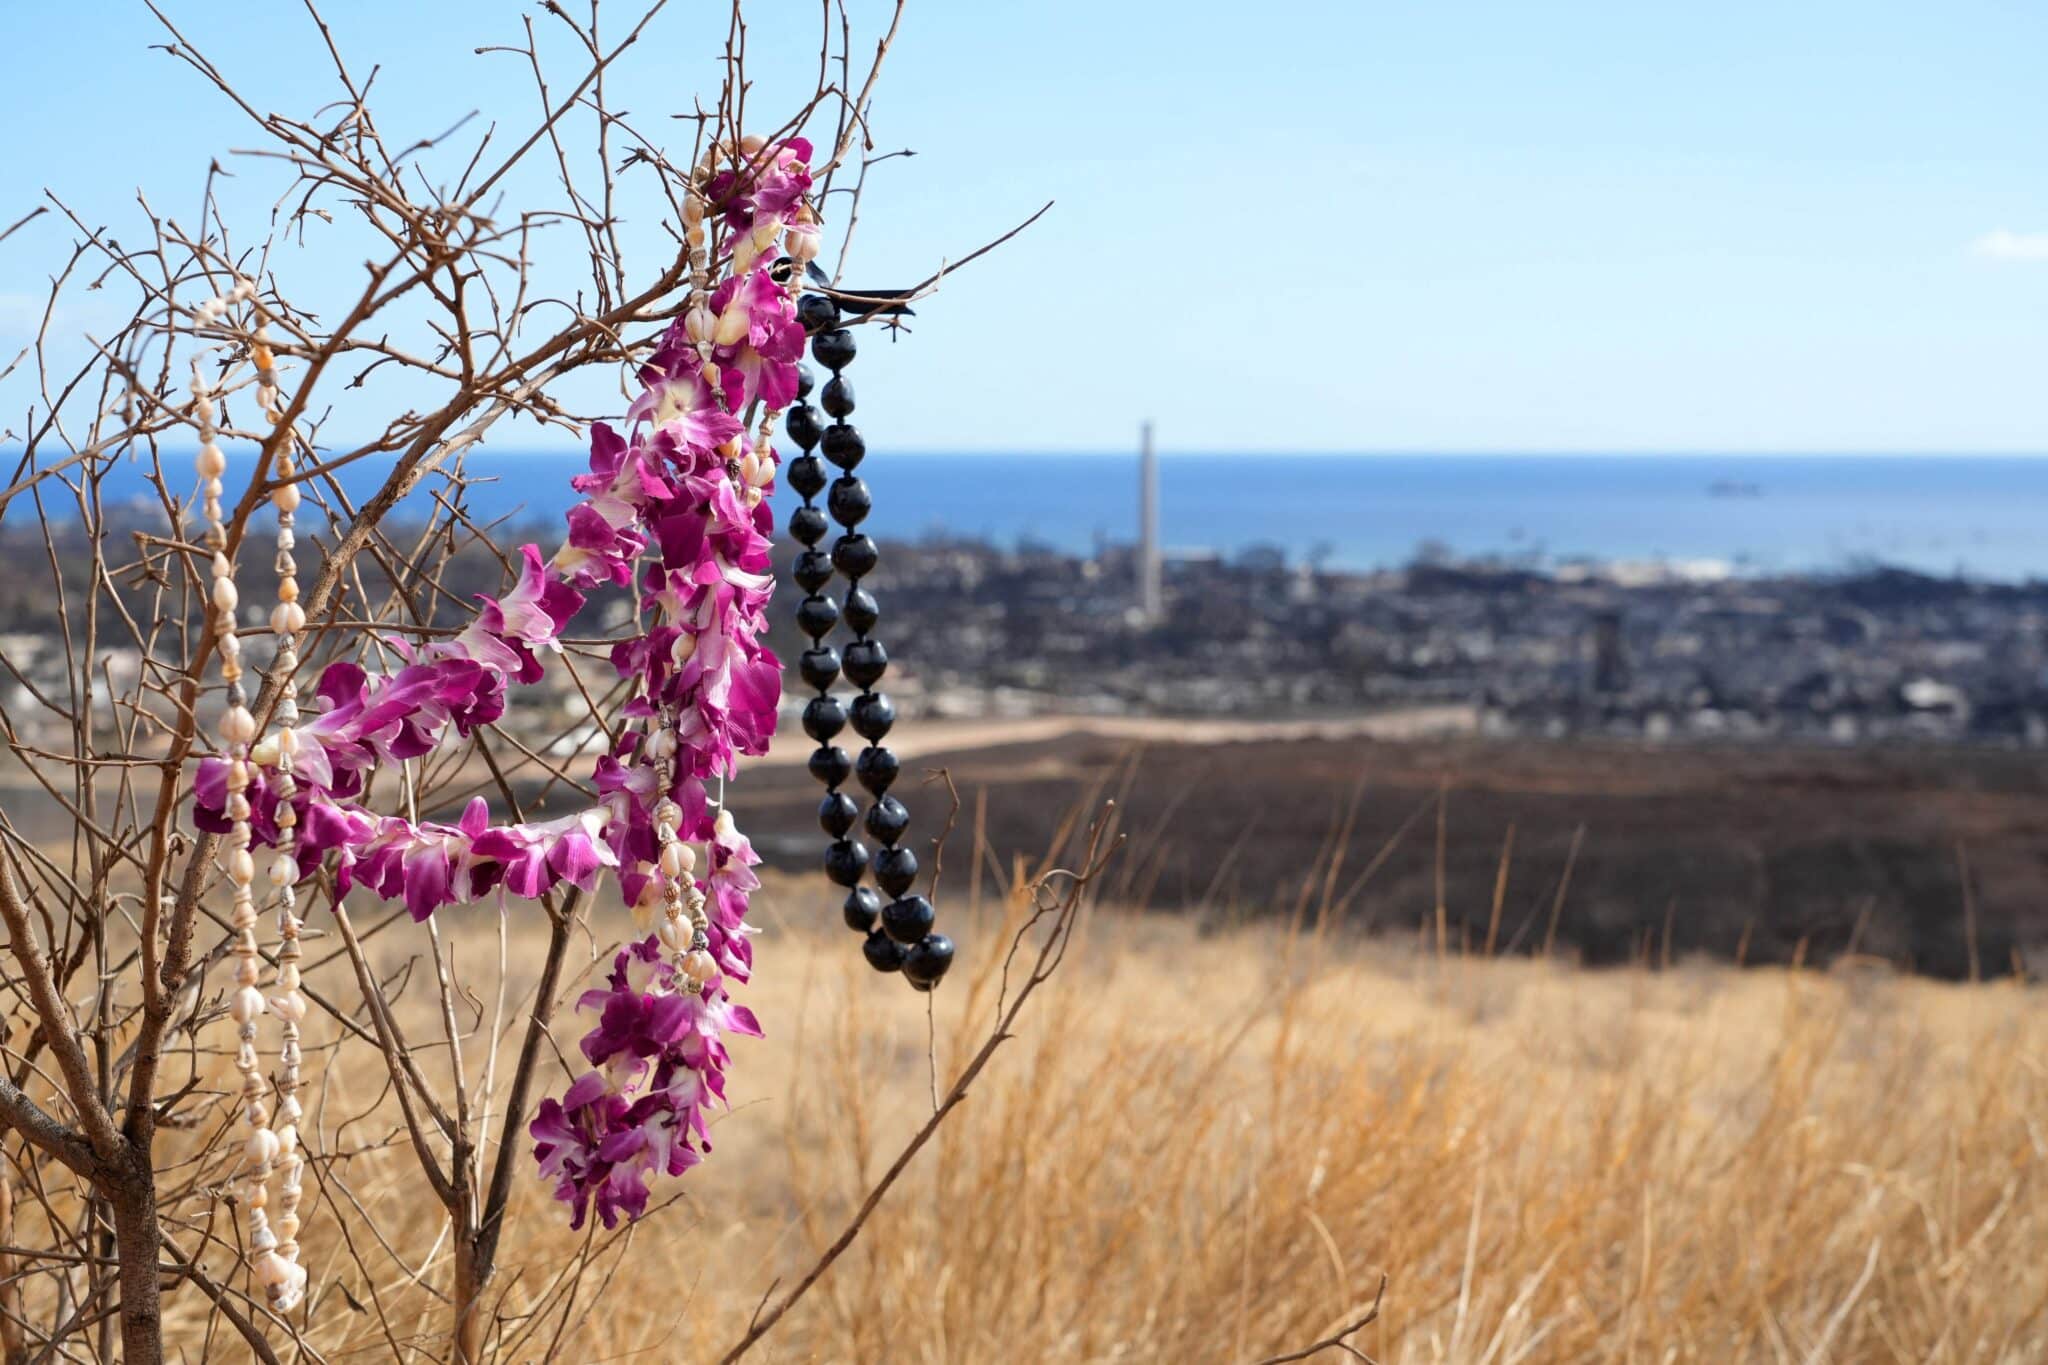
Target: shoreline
1752	515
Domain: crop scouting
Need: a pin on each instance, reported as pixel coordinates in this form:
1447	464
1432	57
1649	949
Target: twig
33	214
1337	1341
1062	911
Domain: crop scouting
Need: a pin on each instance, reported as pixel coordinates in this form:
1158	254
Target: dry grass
1211	1149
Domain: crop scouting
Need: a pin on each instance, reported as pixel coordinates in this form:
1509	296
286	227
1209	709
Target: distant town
1638	651
1660	652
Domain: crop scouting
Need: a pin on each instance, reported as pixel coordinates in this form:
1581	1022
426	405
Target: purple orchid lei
675	507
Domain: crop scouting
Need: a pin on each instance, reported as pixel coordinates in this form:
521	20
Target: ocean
1980	516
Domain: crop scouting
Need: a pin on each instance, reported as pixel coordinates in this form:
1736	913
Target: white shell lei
273	1252
287	619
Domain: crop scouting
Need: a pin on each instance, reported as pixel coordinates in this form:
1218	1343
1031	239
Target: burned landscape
1935	861
1755	770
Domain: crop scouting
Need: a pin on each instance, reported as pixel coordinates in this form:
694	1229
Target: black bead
824	717
877	768
803	425
818	314
819	666
808	524
895	870
925	964
845	860
843	445
805	381
813	570
807	476
848	500
836	814
873	714
866	662
815	616
838	396
783	270
907	919
861	908
834	349
829	764
883	953
861	609
855	555
887	819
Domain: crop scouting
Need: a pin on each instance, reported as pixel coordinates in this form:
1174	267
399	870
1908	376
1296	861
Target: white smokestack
1150	601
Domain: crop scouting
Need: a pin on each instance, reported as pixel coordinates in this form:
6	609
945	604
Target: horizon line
1391	452
1505	452
1409	453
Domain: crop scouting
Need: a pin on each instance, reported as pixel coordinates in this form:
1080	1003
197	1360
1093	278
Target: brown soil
1730	852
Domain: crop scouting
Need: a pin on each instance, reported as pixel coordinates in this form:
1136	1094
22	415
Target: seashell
237	726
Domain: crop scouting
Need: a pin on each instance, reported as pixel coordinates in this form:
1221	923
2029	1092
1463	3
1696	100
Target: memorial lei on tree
674	509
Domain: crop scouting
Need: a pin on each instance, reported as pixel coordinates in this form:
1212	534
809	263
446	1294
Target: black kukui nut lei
863	906
924	965
847	858
899	934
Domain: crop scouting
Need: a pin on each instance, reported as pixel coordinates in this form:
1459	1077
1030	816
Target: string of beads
273	1252
899	934
287	619
684	923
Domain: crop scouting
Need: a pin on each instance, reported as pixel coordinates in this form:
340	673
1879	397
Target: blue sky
1292	225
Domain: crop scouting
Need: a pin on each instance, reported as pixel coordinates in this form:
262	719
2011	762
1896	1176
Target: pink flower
605	530
568	1136
728	889
770	185
507	631
535	858
774	343
427	863
678	402
659	1062
432	865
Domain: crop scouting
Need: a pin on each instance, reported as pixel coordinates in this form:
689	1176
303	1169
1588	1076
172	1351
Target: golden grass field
1212	1148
